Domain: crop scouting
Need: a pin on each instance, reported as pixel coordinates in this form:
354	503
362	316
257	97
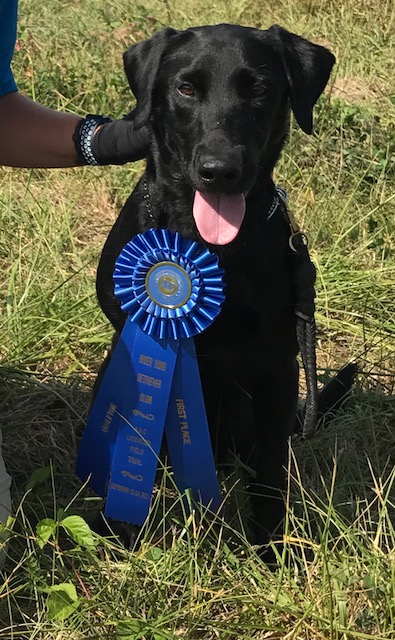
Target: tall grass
191	576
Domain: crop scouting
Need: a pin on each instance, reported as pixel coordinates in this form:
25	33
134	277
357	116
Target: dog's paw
127	534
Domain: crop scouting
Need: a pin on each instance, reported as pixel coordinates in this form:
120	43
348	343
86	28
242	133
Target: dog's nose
218	173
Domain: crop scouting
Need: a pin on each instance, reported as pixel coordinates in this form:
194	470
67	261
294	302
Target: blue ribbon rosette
172	289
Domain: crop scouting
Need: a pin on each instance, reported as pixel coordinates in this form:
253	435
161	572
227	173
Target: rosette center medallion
168	285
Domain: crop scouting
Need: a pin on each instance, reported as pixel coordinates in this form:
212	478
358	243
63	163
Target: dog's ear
307	67
141	64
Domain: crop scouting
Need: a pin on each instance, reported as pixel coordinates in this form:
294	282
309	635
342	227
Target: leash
304	274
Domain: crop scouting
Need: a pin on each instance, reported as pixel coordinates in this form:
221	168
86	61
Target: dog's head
218	101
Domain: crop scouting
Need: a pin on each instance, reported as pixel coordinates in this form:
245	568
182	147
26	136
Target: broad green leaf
79	531
39	476
8	525
67	587
44	530
62	601
129	630
155	553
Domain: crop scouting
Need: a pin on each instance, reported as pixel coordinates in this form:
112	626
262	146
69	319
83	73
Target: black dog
218	100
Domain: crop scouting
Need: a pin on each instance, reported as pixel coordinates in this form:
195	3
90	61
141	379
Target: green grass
192	577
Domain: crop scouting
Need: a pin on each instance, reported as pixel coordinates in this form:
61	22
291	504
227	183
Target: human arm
34	136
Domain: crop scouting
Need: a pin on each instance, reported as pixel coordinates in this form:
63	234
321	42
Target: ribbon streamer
172	289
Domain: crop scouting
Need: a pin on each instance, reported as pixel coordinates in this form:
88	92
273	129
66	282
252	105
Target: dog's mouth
218	216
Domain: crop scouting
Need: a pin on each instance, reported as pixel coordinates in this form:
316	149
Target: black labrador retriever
217	100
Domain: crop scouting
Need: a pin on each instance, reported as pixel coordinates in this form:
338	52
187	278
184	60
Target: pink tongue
218	217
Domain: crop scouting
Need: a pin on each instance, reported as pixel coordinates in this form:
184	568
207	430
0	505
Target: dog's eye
186	90
258	91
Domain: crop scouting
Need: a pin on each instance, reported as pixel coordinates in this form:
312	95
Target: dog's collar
147	199
296	234
280	197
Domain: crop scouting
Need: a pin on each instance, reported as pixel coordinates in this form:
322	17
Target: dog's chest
258	313
258	274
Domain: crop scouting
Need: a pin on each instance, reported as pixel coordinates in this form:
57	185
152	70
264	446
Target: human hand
118	142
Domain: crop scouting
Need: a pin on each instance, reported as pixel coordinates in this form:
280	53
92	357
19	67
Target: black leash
304	274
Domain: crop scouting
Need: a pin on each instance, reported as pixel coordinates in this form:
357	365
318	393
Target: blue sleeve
8	20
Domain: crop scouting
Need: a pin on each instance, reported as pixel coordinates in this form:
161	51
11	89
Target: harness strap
304	274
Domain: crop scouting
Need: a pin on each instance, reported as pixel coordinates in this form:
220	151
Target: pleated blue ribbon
172	289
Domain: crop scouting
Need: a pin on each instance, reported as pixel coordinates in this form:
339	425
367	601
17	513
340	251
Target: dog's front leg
274	402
